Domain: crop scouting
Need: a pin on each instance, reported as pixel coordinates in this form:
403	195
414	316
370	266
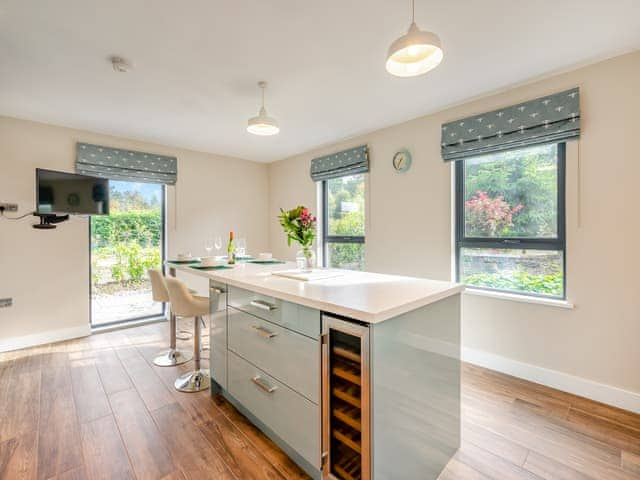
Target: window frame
326	238
511	243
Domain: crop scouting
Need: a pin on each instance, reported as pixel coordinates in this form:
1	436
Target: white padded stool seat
185	304
159	290
159	293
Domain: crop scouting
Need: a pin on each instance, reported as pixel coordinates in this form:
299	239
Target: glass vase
306	259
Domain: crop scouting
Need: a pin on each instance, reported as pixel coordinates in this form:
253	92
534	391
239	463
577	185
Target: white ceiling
197	63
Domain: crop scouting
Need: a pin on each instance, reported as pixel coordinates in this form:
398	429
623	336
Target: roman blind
550	119
347	162
127	165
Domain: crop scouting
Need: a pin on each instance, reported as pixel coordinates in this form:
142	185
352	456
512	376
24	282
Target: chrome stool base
172	357
195	381
184	335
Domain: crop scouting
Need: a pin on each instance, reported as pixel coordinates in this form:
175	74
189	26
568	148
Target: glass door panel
345	400
124	245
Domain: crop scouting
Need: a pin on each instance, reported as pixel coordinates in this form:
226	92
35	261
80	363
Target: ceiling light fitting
414	53
120	65
263	124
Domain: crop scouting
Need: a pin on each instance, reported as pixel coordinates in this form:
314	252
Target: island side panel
415	368
218	335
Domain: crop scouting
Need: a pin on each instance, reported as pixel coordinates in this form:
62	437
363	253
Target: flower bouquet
300	226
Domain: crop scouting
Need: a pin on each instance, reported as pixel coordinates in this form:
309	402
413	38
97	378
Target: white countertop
369	297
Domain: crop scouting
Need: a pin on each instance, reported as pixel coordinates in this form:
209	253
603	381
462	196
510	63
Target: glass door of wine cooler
345	402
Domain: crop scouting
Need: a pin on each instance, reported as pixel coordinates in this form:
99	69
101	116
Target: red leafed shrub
488	217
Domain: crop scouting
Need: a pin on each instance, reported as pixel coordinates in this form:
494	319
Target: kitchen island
354	376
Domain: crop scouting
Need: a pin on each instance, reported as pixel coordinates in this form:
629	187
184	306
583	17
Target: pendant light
263	124
414	53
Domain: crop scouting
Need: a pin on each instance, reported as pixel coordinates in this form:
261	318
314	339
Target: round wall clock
402	161
73	199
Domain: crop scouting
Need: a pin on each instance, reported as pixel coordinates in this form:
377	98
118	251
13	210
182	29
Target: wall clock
402	161
73	199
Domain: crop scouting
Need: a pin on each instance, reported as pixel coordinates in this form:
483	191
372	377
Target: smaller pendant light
414	53
263	124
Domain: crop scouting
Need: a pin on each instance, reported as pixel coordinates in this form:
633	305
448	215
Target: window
343	222
510	221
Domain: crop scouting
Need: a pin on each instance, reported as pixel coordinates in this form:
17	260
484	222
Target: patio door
124	245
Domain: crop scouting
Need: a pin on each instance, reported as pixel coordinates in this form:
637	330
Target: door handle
263	331
262	305
259	381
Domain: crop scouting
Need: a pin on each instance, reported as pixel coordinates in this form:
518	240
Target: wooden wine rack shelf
349	438
346	371
348	354
350	470
348	414
347	397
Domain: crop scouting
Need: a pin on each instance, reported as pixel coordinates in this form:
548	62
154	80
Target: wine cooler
346	453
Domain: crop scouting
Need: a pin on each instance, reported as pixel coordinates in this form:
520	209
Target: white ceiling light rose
263	124
414	53
120	65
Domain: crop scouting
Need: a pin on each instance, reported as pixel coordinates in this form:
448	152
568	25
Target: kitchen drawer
218	333
292	358
301	319
291	416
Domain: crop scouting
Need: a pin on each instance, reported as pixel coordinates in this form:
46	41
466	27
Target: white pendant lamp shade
263	124
414	53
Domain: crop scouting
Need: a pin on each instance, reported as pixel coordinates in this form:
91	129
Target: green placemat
211	267
265	262
183	262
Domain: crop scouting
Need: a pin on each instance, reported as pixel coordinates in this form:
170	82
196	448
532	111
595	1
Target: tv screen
61	192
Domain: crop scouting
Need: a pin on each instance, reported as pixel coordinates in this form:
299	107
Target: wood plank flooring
97	408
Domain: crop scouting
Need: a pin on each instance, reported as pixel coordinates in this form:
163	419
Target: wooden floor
98	408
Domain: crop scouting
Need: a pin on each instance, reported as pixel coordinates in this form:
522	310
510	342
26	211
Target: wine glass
217	242
208	247
241	247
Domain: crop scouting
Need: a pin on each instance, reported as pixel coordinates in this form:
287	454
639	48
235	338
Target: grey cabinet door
295	317
292	417
292	358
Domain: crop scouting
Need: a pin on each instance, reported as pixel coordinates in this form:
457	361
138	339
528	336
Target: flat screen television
61	192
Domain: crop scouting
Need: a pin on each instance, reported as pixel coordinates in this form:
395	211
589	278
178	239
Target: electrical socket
6	302
9	207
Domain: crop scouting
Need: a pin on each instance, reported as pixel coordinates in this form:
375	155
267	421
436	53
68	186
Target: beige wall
409	227
47	272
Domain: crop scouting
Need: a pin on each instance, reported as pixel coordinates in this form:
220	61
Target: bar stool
159	292
184	304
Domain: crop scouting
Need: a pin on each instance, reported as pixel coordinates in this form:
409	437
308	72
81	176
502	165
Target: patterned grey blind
347	162
127	165
549	119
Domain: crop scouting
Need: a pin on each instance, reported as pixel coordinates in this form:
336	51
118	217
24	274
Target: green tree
346	210
528	179
131	200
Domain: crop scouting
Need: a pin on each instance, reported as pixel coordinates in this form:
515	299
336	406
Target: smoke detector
120	65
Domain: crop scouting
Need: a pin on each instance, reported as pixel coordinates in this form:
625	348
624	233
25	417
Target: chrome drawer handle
263	331
262	305
263	385
218	291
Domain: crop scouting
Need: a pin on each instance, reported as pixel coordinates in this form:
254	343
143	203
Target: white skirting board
582	387
16	343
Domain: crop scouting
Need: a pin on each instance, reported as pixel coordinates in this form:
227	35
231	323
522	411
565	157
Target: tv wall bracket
48	221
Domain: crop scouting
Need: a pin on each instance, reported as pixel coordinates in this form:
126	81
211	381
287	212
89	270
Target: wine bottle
231	251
